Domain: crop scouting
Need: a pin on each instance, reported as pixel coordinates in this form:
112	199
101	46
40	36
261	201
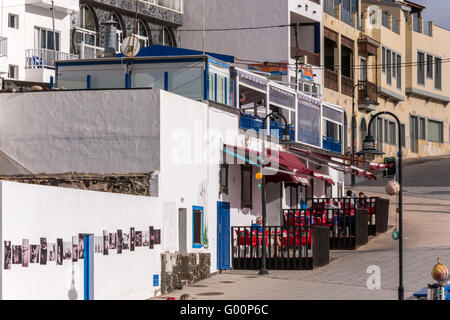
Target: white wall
53	213
82	131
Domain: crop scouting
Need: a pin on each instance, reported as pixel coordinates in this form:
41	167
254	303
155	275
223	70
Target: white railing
45	58
3	46
175	5
88	51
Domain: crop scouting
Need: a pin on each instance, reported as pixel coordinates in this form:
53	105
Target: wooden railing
331	79
346	86
367	88
313	58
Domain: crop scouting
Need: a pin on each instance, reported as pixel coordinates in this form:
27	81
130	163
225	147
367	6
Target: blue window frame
197	227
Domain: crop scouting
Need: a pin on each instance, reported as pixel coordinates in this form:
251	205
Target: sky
437	11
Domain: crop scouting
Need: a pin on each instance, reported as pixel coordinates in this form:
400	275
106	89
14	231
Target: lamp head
369	150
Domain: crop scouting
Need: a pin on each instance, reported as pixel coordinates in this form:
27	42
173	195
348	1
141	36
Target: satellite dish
130	46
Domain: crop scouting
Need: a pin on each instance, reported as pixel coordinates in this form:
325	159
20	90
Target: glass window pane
187	82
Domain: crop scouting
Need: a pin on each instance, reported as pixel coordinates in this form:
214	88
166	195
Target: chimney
110	38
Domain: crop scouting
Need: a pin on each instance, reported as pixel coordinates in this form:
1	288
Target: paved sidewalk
427	237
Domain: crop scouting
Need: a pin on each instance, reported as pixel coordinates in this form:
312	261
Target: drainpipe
54	33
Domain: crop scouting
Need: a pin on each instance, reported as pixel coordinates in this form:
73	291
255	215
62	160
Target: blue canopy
162	51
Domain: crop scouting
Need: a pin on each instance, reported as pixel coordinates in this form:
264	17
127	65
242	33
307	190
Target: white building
259	45
27	47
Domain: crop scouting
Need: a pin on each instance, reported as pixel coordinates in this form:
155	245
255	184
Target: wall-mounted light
306	7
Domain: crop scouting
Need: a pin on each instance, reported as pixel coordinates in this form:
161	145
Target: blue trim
166	81
196	245
236	99
218	63
88	81
206	81
51	82
86	268
103	62
127	81
317	37
56	75
215	87
226	90
223	235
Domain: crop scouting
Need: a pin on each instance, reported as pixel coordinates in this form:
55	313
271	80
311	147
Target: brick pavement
426	237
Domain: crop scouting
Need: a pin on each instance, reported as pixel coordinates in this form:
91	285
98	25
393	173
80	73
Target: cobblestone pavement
426	237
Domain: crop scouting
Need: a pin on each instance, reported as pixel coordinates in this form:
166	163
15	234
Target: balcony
65	6
313	58
88	51
3	46
248	121
331	144
331	79
367	88
347	86
329	7
45	58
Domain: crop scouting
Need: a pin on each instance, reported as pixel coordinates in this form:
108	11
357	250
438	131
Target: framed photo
75	248
125	241
51	251
16	254
145	238
67	250
105	242
98	244
112	241
158	236
59	251
132	239
34	256
7	255
43	253
152	238
81	246
119	241
25	252
138	240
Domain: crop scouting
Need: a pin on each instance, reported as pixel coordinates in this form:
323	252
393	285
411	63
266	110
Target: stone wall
177	270
136	184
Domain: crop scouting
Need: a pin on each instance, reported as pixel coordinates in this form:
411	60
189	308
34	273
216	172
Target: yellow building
385	53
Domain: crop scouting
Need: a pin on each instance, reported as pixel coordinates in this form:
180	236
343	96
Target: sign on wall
279	69
306	73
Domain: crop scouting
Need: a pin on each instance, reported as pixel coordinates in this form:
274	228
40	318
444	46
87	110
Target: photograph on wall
98	244
17	254
125	241
152	238
7	255
59	251
43	253
25	252
132	239
67	250
145	238
112	240
158	236
51	251
74	248
80	245
105	242
34	256
138	239
119	241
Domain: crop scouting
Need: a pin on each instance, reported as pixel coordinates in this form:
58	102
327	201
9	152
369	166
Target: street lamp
365	102
285	138
370	150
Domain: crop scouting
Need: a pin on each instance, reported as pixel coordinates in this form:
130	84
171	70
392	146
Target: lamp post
286	137
369	149
366	102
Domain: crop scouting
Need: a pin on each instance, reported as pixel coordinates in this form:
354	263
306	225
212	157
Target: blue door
223	235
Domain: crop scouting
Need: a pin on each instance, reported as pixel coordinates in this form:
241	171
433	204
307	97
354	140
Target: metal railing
313	58
45	58
88	51
299	247
369	89
3	46
176	5
332	144
248	121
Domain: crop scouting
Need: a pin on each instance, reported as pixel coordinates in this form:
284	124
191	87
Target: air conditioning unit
303	60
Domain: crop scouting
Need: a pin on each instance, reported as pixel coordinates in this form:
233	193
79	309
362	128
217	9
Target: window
167	38
13	72
399	71
435	131
363	74
438	74
13	21
389	66
394	64
293	197
246	186
328	190
392	132
386	131
223	178
142	34
429	66
346	62
86	31
385	19
403	135
380	134
197	227
43	39
422	129
413	133
383	63
420	68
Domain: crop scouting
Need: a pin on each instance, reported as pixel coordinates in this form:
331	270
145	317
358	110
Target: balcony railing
249	121
88	51
313	58
329	8
346	86
367	88
176	5
45	58
331	79
331	144
3	46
